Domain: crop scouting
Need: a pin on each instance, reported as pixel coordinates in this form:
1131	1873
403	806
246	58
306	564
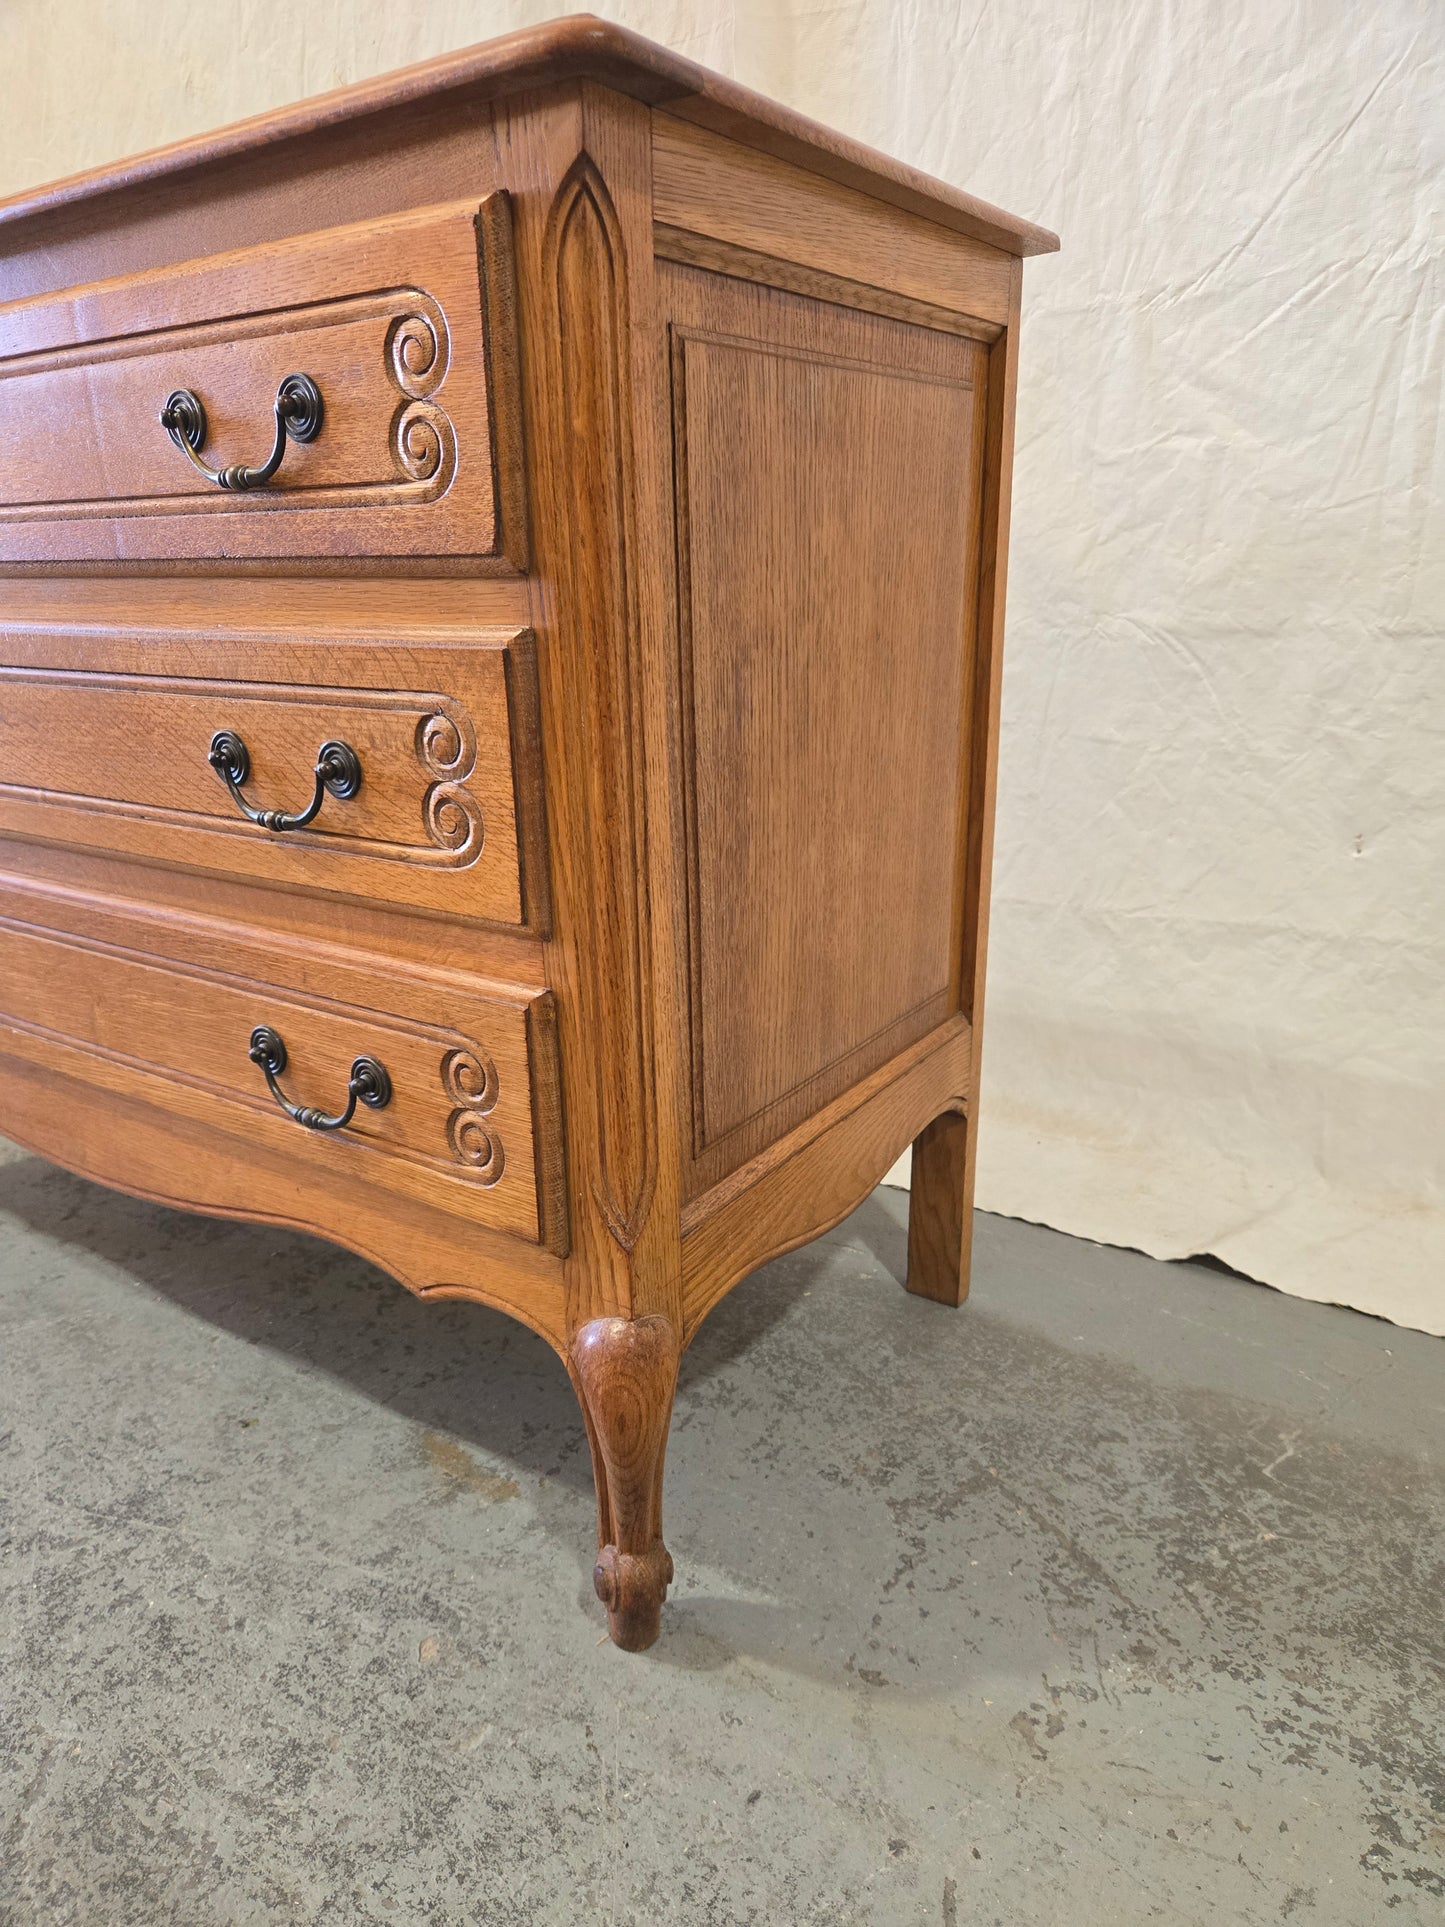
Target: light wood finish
385	316
104	743
959	1161
663	897
704	184
625	1370
810	1179
822	813
181	1160
374	608
940	1210
157	1008
748	264
579	47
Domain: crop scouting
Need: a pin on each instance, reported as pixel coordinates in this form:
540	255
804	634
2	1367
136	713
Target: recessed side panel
827	469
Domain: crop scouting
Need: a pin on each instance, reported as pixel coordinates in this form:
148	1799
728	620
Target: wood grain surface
828	486
104	742
579	47
705	184
625	1370
385	316
155	1007
674	679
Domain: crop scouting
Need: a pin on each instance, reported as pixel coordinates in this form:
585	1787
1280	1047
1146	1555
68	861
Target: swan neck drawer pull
370	1084
338	771
299	414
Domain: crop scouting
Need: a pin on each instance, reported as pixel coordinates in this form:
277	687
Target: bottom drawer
447	1093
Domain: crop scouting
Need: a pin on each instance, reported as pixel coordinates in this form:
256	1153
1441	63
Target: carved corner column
585	248
592	374
601	700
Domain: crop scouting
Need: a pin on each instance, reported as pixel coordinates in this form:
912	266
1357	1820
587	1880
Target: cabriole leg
625	1370
940	1211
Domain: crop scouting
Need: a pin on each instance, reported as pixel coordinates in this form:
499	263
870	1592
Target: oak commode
499	670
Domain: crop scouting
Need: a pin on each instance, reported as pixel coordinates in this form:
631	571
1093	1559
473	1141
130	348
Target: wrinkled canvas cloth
1217	1006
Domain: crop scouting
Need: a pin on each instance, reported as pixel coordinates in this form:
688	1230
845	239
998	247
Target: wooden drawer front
470	1126
387	317
105	740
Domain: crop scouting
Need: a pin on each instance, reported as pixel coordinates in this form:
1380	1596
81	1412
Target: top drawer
405	327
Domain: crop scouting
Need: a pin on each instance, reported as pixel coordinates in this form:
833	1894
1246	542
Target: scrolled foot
632	1586
625	1371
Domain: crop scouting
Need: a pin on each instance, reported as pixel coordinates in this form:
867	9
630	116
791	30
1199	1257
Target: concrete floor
1114	1598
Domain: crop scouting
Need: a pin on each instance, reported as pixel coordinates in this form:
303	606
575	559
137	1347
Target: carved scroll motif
469	1078
423	440
446	747
418	349
585	268
424	444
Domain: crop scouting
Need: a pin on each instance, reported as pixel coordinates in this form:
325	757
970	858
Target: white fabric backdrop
1217	1010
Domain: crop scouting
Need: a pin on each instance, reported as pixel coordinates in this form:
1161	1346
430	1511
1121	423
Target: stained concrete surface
1115	1597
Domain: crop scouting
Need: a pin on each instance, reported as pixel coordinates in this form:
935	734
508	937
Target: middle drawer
419	760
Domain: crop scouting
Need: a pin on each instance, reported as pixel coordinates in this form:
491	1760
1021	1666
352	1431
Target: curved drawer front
106	741
469	1122
403	325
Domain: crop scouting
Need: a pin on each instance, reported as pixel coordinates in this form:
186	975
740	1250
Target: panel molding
772	271
717	1146
466	1074
707	184
104	732
417	457
449	816
585	272
421	439
117	1138
810	1179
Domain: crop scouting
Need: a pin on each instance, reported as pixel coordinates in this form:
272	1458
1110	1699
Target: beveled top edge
578	46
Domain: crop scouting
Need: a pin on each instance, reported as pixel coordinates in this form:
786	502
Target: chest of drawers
501	589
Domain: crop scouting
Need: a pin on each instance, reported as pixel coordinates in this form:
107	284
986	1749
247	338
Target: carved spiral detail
418	444
423	443
453	819
446	746
439	744
415	353
474	1144
469	1078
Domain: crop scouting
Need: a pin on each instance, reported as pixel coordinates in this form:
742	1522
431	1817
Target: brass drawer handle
299	413
370	1083
338	770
